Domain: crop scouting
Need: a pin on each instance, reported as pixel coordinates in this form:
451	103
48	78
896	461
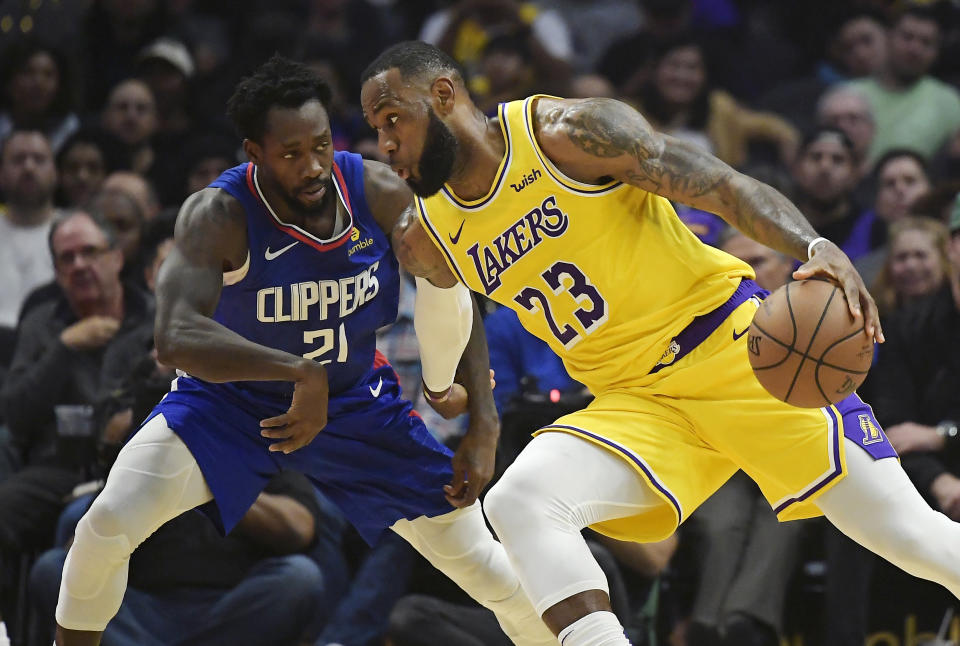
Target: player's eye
393	119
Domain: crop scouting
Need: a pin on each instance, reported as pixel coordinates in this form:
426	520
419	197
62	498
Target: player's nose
386	143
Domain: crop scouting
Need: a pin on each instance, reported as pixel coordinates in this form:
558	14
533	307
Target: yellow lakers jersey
607	274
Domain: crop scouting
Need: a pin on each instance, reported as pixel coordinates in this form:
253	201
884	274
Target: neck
30	216
480	152
319	223
893	81
111	306
822	213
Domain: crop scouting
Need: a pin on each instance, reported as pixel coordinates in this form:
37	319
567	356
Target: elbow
168	343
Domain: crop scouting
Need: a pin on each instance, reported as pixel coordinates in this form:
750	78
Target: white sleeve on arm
443	319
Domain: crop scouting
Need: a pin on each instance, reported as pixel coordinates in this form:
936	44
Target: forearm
278	523
764	214
474	374
205	349
442	319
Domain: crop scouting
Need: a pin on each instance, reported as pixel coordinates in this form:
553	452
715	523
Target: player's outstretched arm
440	351
594	140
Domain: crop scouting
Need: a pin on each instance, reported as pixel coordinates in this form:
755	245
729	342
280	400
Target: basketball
805	347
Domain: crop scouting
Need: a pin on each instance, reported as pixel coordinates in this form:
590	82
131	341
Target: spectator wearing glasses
56	372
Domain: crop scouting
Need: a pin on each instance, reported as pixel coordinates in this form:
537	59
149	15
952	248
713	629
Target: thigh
636	443
155	478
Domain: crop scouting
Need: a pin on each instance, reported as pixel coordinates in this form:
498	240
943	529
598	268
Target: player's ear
444	93
253	150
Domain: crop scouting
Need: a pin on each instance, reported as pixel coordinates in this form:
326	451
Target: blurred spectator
917	263
912	108
901	182
678	100
83	163
204	159
916	380
504	74
137	187
825	174
354	31
747	556
114	33
346	120
847	109
615	19
56	371
190	585
131	116
464	30
124	215
37	93
856	48
167	68
28	179
861	44
584	86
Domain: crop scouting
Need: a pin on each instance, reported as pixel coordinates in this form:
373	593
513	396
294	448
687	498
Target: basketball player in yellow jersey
559	209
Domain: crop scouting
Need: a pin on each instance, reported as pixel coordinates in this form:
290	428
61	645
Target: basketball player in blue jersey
559	209
267	306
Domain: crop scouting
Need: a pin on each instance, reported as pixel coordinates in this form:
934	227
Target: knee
299	580
511	500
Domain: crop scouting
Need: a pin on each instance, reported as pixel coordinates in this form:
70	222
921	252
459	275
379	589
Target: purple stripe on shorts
703	326
837	468
632	457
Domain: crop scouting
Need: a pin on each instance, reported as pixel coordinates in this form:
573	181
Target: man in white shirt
28	177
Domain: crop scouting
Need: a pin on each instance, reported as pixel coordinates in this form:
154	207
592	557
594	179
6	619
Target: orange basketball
805	347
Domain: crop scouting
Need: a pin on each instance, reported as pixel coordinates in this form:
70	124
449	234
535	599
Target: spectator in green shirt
912	109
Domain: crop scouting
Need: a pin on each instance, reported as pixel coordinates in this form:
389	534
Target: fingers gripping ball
806	348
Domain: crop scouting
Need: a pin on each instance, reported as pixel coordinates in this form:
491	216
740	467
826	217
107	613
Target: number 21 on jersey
566	277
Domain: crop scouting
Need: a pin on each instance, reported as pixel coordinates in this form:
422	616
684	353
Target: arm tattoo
608	129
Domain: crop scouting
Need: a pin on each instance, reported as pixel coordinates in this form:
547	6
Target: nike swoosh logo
376	391
455	239
270	255
738	335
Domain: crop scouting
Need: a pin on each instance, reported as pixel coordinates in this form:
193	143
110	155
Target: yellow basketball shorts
691	426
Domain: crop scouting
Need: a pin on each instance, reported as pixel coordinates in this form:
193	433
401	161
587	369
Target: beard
299	206
436	161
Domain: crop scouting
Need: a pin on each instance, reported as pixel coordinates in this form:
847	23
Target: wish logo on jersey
510	246
317	300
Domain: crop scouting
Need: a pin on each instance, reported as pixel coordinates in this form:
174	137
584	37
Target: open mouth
315	193
402	173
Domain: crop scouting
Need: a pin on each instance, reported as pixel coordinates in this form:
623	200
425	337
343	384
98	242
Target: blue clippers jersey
321	299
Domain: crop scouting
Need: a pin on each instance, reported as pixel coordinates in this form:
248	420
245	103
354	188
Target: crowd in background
113	111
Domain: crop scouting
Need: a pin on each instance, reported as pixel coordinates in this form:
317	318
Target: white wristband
814	243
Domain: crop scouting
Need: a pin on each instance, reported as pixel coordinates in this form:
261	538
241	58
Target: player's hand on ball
829	261
473	463
457	402
307	414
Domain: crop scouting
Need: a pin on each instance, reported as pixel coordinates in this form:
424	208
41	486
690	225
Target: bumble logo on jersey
359	244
